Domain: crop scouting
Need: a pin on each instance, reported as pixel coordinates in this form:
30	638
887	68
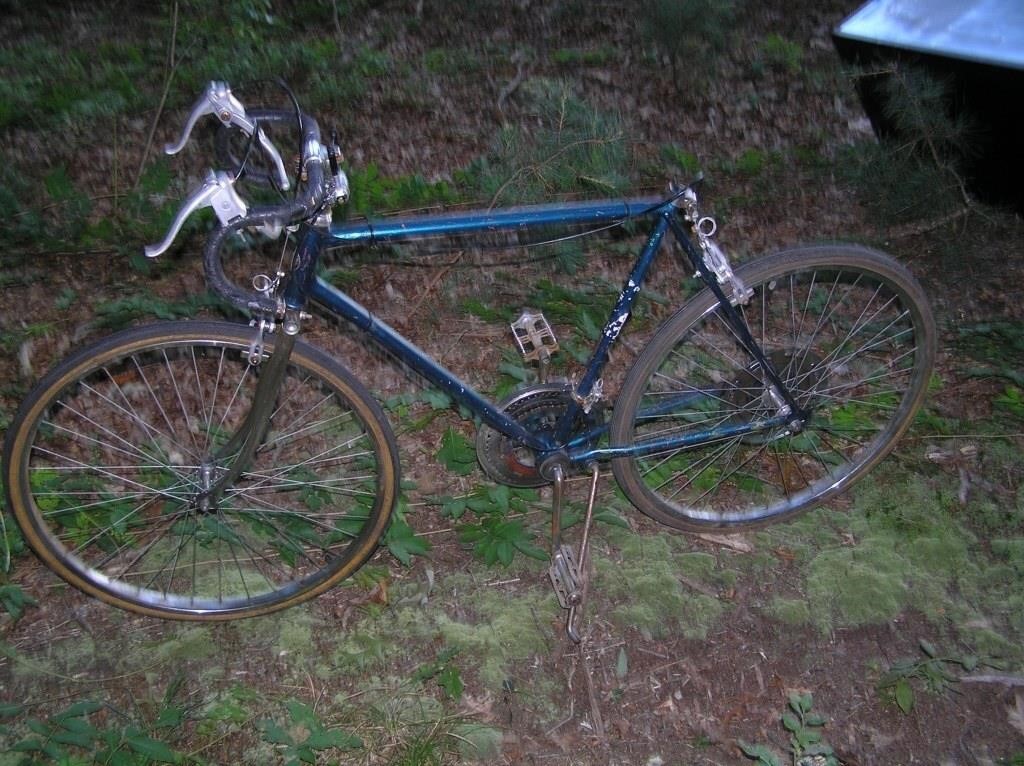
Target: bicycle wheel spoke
126	447
122	468
845	332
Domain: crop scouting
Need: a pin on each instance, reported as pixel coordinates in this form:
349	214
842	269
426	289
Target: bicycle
212	470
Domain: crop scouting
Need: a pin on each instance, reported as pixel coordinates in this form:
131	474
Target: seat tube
613	327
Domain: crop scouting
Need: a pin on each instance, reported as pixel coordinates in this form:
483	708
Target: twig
994	678
564	721
727	541
337	21
916	230
698	586
432	284
172	66
595	706
51	205
925	437
512	86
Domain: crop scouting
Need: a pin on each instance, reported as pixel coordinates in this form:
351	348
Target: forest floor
896	613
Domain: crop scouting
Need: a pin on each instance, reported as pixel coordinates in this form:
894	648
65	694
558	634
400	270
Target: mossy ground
690	644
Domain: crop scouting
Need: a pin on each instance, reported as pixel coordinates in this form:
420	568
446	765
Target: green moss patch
646	584
907	544
506	629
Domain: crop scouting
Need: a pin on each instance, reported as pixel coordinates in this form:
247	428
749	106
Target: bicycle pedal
534	336
565	577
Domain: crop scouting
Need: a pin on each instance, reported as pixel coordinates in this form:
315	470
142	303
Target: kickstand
567	570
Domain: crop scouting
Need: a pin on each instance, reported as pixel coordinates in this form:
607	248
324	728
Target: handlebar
317	188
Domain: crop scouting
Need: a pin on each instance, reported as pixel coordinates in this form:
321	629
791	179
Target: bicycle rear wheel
106	465
851	335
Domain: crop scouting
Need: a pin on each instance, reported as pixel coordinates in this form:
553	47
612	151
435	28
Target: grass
450	639
399	713
410	663
643	586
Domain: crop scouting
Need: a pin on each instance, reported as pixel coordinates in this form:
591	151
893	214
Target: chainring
537	408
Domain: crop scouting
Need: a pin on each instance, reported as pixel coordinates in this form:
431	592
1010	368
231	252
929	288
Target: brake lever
217	191
220	102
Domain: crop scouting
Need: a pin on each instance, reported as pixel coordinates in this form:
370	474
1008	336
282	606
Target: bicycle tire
106	461
849	331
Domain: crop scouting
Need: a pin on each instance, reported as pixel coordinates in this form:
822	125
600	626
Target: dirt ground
683	700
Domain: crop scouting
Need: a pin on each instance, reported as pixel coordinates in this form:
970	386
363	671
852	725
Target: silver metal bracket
567	571
217	191
263	326
704	227
587	402
716	259
218	100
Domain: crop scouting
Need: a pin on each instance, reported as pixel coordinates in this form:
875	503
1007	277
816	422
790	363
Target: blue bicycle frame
578	447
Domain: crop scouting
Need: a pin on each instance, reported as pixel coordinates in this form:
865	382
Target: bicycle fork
246	439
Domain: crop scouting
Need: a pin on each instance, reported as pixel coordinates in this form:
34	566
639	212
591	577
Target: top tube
596	213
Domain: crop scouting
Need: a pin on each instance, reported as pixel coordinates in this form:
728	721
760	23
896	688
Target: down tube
418	360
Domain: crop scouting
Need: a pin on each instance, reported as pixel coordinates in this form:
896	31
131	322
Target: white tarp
990	31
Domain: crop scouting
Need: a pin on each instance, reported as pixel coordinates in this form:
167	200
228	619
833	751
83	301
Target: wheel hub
803	374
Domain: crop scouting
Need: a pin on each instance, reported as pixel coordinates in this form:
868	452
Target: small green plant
374	193
450	62
402	542
692	33
781	54
807	746
682	159
302	735
498	499
68	736
497	540
14	600
584	56
751	162
457	453
444	672
116	314
494	536
933	673
1011	401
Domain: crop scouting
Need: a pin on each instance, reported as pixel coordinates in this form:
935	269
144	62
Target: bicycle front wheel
849	332
108	464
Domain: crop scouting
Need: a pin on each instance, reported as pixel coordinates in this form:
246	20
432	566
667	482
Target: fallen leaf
736	542
479	707
1015	715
